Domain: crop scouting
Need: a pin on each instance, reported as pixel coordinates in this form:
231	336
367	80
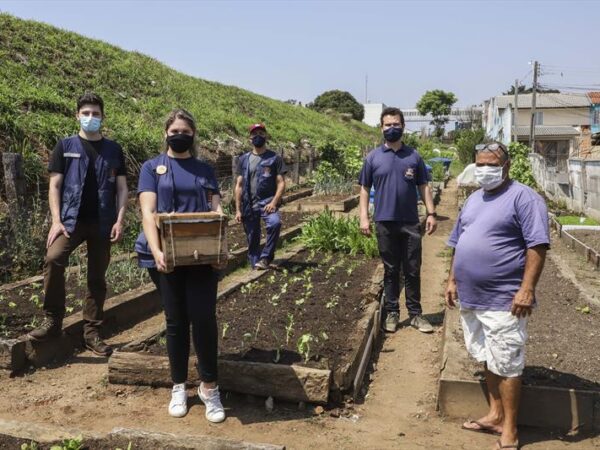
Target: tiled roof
543	130
562	100
594	97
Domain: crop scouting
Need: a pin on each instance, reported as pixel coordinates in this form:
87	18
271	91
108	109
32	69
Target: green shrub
520	166
438	172
328	233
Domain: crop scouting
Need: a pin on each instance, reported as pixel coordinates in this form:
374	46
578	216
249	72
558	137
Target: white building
373	113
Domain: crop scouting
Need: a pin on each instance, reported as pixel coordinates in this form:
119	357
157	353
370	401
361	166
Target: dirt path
398	411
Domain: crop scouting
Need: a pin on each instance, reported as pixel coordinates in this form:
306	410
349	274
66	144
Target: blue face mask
393	134
90	124
259	141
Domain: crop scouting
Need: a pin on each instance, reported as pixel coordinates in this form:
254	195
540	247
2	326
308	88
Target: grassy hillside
44	69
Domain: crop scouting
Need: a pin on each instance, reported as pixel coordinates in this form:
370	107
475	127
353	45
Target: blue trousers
252	229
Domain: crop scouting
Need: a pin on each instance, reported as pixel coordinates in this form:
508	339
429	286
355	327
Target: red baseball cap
256	126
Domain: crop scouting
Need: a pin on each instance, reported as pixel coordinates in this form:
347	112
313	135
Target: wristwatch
434	214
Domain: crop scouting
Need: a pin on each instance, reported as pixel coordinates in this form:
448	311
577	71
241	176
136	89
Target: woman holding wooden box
176	181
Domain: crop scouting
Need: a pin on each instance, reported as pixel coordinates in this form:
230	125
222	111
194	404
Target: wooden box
192	238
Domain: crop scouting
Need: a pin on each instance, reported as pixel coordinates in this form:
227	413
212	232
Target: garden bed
591	238
21	307
561	382
311	318
17	434
584	242
335	202
236	237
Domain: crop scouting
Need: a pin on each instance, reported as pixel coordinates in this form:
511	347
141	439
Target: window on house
539	118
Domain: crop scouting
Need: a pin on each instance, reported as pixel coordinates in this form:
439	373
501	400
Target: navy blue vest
165	202
266	185
107	163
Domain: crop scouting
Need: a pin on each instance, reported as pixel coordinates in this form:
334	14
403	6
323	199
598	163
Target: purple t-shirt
491	237
395	176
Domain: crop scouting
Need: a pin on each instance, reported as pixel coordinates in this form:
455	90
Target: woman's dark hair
187	118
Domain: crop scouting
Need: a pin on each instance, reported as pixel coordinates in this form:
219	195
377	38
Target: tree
528	90
465	142
340	101
438	103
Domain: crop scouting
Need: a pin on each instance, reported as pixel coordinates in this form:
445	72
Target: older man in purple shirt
500	241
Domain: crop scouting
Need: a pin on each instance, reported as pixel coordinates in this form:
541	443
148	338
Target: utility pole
515	121
533	100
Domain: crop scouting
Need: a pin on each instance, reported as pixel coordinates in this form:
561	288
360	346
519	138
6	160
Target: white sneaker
214	409
178	404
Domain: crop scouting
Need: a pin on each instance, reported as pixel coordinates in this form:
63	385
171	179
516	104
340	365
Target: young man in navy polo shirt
258	191
396	171
87	197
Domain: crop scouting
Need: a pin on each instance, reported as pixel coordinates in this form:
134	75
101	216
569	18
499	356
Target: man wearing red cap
258	191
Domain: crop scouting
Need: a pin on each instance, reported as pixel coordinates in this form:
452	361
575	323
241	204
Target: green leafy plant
520	167
225	328
289	328
69	444
303	345
35	299
246	337
328	233
333	302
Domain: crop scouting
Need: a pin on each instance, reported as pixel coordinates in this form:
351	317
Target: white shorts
496	338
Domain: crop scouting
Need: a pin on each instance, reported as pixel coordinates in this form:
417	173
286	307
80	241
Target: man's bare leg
494	418
510	394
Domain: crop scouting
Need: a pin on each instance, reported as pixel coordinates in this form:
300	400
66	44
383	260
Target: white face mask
489	177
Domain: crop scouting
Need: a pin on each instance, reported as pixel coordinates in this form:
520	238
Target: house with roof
559	121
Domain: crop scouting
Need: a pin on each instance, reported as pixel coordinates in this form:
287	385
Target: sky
299	49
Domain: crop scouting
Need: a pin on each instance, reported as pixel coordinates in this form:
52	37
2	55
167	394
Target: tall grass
328	233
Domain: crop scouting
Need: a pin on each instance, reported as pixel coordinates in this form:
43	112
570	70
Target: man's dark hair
391	111
89	98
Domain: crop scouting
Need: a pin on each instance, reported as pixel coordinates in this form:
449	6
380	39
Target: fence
578	185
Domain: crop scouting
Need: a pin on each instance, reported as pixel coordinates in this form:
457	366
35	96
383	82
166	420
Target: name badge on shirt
161	170
72	155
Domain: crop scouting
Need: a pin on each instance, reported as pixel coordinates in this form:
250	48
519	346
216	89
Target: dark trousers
57	259
400	249
189	297
252	229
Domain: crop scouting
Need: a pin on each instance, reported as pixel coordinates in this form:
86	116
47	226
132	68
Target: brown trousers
57	259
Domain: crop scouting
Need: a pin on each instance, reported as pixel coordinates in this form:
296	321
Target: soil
236	237
253	324
591	238
326	198
21	308
563	349
398	409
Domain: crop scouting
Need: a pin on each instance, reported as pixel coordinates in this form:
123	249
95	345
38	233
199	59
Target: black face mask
393	134
180	143
258	141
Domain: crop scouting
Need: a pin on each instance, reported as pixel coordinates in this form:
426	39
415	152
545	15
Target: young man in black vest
87	199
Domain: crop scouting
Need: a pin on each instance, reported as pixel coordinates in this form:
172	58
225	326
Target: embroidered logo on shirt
161	170
267	170
410	173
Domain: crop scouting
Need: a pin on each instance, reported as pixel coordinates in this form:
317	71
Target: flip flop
487	429
500	446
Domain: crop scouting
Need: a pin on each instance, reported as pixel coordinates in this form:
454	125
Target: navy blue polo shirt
185	173
395	176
